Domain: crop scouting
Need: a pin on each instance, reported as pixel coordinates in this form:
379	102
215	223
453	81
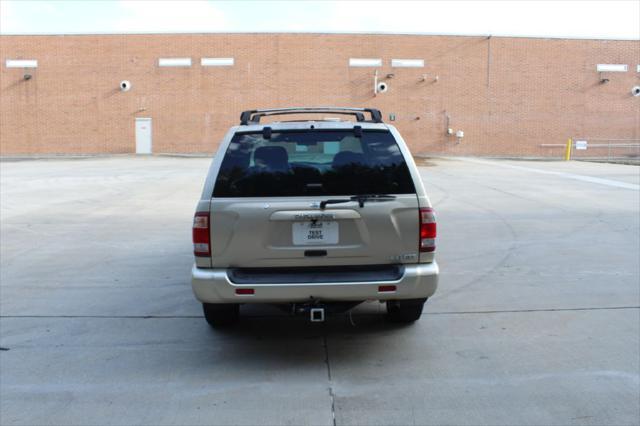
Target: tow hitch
316	314
317	310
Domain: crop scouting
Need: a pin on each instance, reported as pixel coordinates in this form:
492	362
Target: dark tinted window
313	163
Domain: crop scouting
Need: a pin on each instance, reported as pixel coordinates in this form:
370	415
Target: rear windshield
313	163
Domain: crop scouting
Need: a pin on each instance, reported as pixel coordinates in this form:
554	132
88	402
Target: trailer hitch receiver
316	314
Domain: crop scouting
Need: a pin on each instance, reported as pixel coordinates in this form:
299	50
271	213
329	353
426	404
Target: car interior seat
345	158
271	158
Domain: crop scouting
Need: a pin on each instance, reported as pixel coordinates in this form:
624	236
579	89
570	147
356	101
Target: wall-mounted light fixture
407	63
365	62
174	62
612	68
21	63
216	62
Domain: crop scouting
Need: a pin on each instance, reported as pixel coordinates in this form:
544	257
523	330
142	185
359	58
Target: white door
143	136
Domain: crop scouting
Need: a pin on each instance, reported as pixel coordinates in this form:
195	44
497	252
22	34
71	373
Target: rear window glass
313	163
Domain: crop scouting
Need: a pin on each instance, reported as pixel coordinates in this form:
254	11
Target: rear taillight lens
427	230
201	243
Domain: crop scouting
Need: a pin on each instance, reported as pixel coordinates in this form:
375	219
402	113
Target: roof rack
253	116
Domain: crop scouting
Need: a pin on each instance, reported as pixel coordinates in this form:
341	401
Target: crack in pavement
331	394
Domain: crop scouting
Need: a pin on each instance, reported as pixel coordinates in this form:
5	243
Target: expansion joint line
331	394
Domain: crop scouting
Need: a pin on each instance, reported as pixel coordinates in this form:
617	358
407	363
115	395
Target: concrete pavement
536	321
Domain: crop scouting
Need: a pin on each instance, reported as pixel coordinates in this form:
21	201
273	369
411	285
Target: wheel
408	310
221	314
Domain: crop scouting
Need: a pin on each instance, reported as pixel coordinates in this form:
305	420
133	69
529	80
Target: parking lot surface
536	319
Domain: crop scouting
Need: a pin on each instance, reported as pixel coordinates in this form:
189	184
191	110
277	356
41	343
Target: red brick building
508	95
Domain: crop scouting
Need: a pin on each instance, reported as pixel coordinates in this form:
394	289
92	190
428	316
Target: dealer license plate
315	233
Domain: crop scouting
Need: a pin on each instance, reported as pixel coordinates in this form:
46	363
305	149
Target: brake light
201	243
427	230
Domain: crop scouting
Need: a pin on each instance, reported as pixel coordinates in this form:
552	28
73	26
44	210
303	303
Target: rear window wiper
324	203
359	198
372	197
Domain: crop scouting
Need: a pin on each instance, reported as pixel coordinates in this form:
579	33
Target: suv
313	216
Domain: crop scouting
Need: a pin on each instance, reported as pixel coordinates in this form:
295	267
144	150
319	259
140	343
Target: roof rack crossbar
253	116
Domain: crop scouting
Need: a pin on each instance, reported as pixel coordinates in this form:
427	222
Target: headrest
275	158
346	158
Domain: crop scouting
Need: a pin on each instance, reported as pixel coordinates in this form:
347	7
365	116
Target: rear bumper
214	286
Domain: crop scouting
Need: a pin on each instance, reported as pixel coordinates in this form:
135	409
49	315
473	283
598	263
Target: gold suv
315	216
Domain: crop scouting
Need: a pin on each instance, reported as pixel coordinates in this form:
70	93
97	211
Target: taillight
427	230
201	243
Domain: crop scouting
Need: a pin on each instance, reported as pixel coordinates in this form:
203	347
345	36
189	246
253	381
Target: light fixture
612	68
174	62
216	62
407	63
365	62
21	63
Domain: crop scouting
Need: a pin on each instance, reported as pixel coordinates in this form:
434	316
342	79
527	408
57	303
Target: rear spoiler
253	116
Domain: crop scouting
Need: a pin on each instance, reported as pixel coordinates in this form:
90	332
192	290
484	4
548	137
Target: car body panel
257	232
214	286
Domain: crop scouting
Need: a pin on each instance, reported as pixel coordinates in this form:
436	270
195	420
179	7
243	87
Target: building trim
346	33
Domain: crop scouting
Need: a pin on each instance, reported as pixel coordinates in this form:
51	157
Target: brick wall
508	95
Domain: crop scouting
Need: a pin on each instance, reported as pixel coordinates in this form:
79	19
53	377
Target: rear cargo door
314	198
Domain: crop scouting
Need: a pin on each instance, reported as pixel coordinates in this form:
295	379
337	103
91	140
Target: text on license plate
307	233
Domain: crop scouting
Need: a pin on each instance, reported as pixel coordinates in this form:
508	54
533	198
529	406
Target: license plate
310	233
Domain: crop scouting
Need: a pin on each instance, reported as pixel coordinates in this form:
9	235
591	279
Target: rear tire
405	311
221	314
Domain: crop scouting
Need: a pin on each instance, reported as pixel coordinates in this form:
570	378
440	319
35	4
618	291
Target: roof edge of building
339	33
